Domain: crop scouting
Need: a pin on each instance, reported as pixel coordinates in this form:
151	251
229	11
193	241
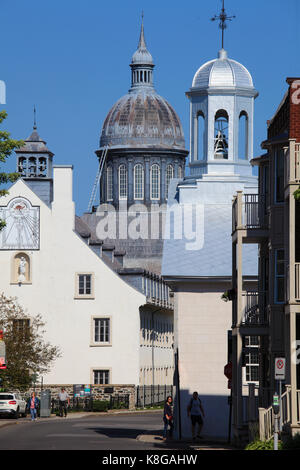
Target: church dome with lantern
143	139
142	118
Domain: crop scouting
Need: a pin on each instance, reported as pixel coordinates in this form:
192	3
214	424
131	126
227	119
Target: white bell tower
221	115
221	118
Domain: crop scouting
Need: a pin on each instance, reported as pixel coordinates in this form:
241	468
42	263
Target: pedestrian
33	404
195	412
63	398
168	418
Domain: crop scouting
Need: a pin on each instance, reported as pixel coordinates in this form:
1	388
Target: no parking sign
280	368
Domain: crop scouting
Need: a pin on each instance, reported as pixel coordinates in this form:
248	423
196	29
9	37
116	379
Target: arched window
200	135
169	176
180	172
109	183
155	182
32	166
243	136
138	182
221	135
122	182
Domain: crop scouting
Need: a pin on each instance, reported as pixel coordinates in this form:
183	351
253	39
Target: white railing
297	281
249	211
266	416
266	423
292	163
157	291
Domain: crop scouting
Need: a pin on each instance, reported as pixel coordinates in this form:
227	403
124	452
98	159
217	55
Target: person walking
168	418
195	412
33	404
63	398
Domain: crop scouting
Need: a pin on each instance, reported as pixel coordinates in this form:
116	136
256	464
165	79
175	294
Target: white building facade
92	314
221	138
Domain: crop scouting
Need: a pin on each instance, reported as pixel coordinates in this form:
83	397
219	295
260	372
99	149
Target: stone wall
99	392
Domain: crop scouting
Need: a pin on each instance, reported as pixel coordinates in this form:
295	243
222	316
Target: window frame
277	276
168	179
278	154
157	183
109	184
91	295
124	184
103	370
94	343
138	196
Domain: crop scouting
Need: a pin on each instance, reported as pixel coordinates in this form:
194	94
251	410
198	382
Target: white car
11	403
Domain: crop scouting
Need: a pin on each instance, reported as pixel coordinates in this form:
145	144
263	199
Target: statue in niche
22	269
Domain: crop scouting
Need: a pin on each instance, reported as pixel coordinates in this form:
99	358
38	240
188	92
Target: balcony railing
157	291
297	281
292	173
254	308
249	212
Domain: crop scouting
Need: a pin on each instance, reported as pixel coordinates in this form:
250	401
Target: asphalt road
105	432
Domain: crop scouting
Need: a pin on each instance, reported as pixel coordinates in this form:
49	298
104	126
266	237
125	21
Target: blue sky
71	59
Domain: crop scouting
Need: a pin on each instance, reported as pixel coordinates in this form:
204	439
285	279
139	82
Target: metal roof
222	72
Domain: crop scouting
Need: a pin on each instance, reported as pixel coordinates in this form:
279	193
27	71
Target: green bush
100	405
263	445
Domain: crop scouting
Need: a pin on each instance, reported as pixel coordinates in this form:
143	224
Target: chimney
63	206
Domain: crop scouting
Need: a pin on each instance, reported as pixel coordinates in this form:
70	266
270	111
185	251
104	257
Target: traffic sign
280	368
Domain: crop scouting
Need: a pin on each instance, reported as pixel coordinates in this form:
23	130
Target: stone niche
21	268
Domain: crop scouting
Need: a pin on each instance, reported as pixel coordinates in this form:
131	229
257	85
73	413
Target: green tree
7	146
27	354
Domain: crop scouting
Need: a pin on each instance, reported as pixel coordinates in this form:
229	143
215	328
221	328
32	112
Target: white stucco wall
202	321
68	320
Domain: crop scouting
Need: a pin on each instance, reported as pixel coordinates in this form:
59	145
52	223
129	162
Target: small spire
34	118
142	42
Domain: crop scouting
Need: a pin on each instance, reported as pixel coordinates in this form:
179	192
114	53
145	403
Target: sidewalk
203	444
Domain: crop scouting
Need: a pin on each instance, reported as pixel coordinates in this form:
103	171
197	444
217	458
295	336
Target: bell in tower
221	142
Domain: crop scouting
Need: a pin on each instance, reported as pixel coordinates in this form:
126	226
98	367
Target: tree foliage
7	146
26	352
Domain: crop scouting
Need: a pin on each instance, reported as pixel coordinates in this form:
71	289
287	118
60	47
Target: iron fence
150	395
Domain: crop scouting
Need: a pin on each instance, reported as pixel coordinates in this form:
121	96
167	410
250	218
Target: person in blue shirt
33	404
195	412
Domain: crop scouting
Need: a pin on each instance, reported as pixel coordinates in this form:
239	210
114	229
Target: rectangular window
102	330
279	176
84	285
101	377
21	328
251	358
279	276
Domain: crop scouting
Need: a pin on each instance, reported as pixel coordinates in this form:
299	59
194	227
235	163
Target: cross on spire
223	18
34	118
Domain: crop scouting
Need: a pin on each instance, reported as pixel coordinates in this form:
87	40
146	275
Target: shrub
263	445
100	405
297	194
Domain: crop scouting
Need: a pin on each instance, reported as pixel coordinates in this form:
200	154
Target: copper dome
142	119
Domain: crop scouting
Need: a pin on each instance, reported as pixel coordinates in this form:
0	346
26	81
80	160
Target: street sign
280	368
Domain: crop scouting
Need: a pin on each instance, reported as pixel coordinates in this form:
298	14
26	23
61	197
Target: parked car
12	404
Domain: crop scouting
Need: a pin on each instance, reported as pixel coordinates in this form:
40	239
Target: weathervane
223	17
